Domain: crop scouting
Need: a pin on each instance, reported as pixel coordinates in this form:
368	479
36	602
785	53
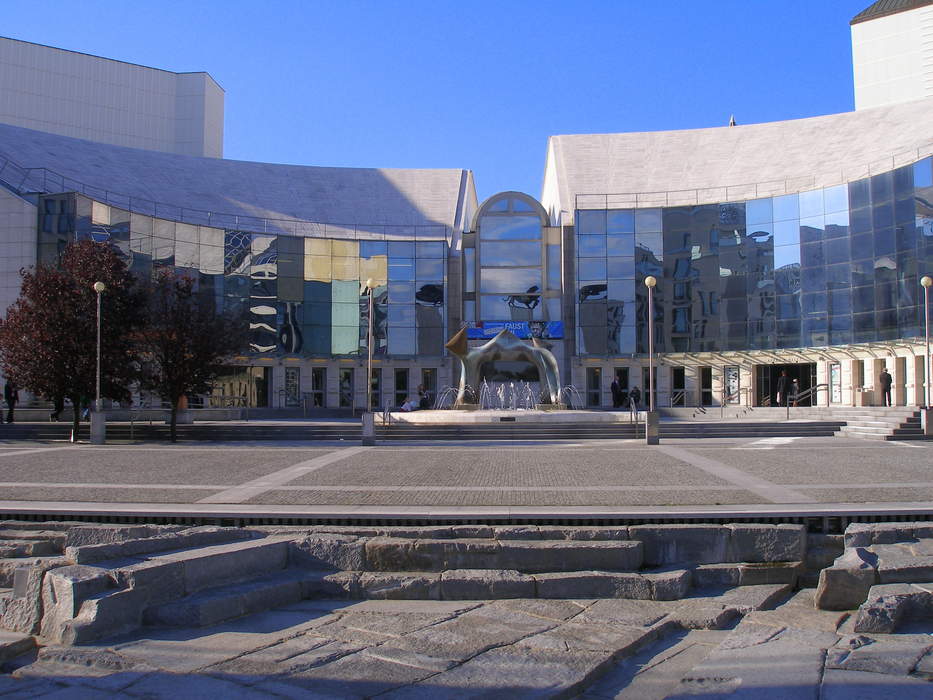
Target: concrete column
691	386
821	397
652	428
98	427
369	429
897	366
747	384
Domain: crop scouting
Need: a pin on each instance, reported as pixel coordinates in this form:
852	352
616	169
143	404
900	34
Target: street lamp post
369	420
369	349
98	425
651	422
926	281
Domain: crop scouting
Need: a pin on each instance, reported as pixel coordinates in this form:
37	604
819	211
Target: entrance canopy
903	347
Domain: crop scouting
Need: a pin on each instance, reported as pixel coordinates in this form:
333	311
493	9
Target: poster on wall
546	330
835	382
732	384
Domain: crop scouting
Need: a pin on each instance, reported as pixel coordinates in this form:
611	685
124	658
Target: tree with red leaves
183	341
48	341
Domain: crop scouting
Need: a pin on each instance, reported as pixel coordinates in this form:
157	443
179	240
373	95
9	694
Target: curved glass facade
297	296
831	266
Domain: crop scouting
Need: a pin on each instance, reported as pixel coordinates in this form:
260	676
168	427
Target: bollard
652	428
369	429
926	421
98	427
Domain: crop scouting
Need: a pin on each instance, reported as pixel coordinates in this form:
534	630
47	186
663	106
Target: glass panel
429	249
758	211
620	244
811	203
647	220
621	268
515	307
510	254
469	273
836	199
589	246
591	221
620	221
786	207
591	269
401	269
429	269
430	294
372	249
510	227
786	233
401	292
401	315
402	341
554	267
510	280
401	249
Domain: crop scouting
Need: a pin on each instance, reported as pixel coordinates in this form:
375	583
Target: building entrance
768	376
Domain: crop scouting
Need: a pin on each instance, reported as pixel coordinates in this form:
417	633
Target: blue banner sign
546	330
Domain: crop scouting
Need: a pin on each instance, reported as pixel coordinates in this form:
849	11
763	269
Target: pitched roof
883	8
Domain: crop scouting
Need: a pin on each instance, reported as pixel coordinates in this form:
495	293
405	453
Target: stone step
219	604
527	556
491	584
163	542
28	548
83	602
13	644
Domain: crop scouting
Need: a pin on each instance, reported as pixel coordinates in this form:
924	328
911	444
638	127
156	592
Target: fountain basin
455	416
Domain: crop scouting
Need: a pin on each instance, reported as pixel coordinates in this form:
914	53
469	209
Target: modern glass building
790	246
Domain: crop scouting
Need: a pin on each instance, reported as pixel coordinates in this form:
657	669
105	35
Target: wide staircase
344	430
880	423
94	582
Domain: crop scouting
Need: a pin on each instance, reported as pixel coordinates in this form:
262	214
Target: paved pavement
593	649
598	477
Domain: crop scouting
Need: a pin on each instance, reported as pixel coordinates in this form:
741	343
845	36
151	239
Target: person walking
782	388
885	380
635	396
794	393
11	396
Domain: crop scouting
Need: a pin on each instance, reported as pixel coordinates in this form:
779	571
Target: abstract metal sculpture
507	347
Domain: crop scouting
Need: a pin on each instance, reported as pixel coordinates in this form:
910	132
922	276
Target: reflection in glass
520	280
510	254
510	227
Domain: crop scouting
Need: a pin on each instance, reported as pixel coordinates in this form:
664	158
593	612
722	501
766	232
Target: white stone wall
892	58
99	99
17	244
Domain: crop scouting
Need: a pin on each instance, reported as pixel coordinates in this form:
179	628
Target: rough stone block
342	585
767	543
342	552
107	534
477	531
593	584
845	585
22	611
675	544
517	532
400	586
597	533
899	564
389	554
480	584
162	580
442	555
669	585
746	574
104	616
532	556
889	604
213	566
65	590
865	534
164	542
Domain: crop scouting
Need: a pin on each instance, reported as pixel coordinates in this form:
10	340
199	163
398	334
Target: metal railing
46	181
677	397
734	399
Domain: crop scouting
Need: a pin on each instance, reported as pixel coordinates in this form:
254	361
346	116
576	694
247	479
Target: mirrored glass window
647	220
786	207
510	254
510	228
589	246
510	280
620	221
591	221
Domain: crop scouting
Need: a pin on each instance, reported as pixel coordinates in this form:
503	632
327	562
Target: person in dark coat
885	381
11	396
782	388
616	389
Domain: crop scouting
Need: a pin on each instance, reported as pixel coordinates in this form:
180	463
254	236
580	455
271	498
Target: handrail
677	396
633	412
726	398
43	180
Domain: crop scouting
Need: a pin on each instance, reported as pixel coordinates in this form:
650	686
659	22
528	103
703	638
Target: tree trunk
174	418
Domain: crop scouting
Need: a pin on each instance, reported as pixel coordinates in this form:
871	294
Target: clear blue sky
478	85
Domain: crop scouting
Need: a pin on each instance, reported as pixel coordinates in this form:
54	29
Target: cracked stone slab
856	685
526	673
614	640
896	657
